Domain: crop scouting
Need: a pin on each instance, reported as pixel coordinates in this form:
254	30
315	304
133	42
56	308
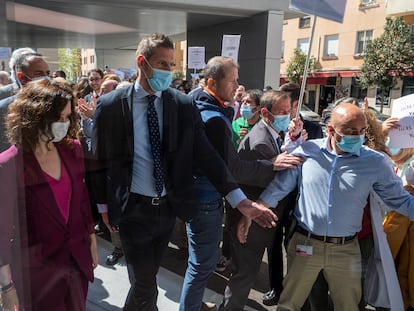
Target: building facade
338	48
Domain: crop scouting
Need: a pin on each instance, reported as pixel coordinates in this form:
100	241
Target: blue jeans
204	234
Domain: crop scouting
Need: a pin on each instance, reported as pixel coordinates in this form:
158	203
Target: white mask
59	130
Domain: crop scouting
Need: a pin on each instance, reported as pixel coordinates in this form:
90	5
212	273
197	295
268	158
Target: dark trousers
145	230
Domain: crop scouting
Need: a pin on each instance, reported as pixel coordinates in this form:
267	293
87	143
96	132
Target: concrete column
260	46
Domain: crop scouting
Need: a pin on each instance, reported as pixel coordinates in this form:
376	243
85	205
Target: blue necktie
155	141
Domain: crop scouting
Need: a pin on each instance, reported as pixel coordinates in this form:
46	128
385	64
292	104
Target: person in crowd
107	86
27	66
397	226
123	84
47	242
112	76
263	142
374	139
181	88
5	78
10	89
311	130
204	233
328	221
86	109
82	88
148	135
59	74
250	115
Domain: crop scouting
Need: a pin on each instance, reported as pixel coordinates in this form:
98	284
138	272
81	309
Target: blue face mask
161	79
246	112
350	143
281	122
393	151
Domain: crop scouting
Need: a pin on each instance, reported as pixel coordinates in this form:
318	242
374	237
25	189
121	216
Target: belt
324	238
150	200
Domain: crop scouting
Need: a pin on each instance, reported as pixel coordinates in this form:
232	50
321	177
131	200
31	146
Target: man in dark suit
263	142
148	137
27	66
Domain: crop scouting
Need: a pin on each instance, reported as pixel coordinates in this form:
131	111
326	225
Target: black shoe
113	258
271	298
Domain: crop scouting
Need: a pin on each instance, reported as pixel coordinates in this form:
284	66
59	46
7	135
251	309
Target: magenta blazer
34	239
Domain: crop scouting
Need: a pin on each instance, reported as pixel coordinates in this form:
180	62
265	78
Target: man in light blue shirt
334	184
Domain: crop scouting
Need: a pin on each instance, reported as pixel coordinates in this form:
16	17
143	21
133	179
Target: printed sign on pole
330	9
196	57
230	46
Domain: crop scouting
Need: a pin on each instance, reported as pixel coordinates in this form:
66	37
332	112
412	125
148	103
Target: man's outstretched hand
259	213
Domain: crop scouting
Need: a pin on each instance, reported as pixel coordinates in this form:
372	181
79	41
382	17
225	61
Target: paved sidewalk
111	284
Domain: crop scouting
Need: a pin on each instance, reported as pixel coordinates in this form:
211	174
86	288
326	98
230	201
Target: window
363	37
304	22
303	45
331	46
92	58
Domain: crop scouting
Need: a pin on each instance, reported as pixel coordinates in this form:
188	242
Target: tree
69	62
296	66
388	57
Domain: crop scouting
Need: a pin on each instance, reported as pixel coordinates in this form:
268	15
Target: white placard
403	109
230	46
196	57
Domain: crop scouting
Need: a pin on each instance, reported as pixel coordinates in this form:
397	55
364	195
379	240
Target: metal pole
305	71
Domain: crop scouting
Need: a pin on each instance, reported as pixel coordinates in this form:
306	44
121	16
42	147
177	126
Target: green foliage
178	74
69	62
388	57
296	66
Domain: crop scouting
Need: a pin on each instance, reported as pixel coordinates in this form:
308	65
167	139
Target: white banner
196	57
230	46
330	9
403	109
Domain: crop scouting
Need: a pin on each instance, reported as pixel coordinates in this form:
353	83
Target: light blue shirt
333	189
143	181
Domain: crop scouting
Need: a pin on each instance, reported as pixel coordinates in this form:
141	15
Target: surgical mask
161	79
246	112
37	78
350	143
393	151
59	130
281	122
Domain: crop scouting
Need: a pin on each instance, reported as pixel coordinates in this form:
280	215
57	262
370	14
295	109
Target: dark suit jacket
184	142
43	244
258	144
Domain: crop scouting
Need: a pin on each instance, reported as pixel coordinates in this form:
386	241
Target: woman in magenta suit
47	243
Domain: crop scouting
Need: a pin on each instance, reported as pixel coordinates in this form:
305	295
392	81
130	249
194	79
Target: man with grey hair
26	66
10	89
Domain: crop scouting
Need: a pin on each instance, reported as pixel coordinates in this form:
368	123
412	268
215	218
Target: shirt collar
212	93
140	92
